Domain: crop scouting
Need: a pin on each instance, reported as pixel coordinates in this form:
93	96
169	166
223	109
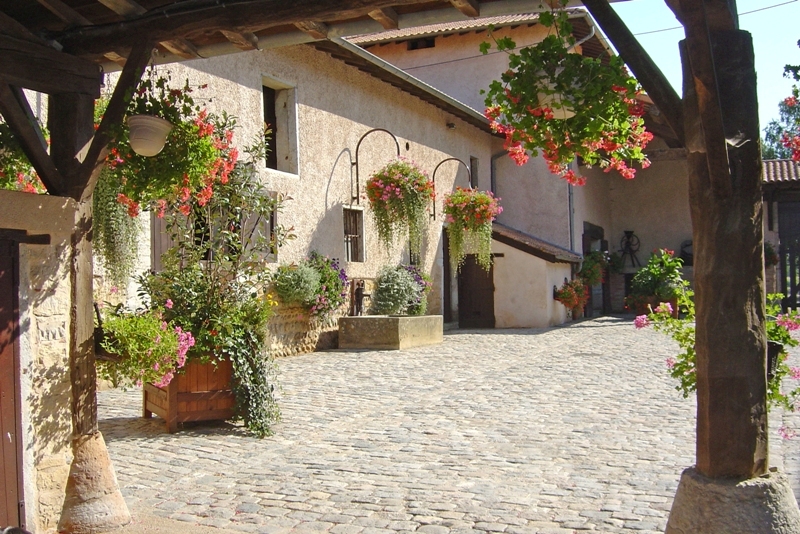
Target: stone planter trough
388	332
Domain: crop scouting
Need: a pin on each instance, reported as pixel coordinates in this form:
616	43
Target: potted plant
565	105
660	280
399	195
593	268
16	171
469	214
574	295
401	290
318	284
216	280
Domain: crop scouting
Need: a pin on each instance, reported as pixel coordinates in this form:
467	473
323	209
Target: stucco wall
335	105
523	296
44	351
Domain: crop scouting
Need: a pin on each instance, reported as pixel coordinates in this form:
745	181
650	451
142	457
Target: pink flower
168	304
664	307
641	321
671	362
786	433
795	373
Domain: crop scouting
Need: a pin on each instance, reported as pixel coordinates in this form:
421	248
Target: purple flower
641	321
664	307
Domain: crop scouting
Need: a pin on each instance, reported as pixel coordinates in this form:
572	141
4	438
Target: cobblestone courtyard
561	430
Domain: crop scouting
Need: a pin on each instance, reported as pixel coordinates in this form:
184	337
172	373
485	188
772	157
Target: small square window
354	235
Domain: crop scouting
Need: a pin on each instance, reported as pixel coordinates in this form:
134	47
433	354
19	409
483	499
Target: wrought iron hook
433	179
357	197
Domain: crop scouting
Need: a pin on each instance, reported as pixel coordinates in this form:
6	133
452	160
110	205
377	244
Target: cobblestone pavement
560	430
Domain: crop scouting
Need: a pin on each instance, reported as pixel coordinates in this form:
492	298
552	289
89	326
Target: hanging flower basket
469	214
399	195
148	134
573	294
566	106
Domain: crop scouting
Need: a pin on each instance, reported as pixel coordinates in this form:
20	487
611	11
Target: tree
782	137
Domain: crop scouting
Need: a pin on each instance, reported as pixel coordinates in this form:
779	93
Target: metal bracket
356	197
433	179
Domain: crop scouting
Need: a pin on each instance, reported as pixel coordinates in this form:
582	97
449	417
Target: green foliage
297	284
419	305
770	255
593	266
683	366
395	289
399	195
16	171
660	277
116	234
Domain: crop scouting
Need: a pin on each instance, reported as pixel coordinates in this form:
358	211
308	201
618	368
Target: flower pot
148	134
577	313
201	392
774	350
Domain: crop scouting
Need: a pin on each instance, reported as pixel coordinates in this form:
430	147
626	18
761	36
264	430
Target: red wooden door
10	482
475	295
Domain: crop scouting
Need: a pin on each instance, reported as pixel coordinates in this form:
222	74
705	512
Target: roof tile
780	171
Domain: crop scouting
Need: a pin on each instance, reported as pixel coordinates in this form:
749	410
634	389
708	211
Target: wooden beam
44	69
470	8
70	119
242	39
126	8
169	23
112	118
65	13
181	48
644	68
18	114
666	154
12	28
386	17
317	30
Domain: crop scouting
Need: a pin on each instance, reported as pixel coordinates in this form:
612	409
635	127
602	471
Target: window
473	172
419	44
354	234
280	117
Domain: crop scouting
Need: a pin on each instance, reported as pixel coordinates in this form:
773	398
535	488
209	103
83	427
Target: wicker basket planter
202	392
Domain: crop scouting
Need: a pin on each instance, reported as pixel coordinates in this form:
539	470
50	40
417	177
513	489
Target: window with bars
354	234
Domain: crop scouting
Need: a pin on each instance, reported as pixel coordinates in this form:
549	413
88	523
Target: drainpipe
571	218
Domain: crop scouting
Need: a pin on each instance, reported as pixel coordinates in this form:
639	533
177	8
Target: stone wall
45	390
293	331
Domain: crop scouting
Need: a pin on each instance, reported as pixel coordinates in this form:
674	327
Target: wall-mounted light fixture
451	126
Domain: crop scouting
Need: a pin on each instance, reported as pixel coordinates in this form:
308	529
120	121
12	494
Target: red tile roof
780	171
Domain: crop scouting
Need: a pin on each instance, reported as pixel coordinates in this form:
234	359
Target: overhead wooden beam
211	15
17	113
181	48
242	39
470	8
65	13
13	28
317	30
666	154
644	68
386	17
112	118
41	68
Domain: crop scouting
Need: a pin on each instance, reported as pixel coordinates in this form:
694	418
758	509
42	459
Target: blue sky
775	33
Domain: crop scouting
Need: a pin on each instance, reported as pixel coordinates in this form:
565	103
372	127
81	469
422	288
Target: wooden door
10	445
475	295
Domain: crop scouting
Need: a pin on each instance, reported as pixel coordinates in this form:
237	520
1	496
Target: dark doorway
447	296
475	295
789	234
10	445
599	295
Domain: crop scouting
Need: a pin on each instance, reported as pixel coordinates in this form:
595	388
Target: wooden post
728	269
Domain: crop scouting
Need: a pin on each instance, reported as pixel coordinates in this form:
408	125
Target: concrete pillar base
763	505
93	501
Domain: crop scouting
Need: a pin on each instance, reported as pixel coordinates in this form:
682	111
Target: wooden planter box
201	392
383	332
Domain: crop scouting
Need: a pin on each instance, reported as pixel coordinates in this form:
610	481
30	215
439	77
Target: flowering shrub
469	214
198	154
567	105
332	290
149	349
399	195
682	367
573	294
16	171
419	305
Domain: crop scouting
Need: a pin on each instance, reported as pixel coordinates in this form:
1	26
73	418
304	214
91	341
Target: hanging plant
572	294
198	153
592	270
16	171
469	214
399	195
566	105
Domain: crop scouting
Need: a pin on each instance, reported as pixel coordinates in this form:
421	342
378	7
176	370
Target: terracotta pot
148	134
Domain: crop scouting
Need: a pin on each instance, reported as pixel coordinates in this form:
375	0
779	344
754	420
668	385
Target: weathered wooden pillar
728	270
